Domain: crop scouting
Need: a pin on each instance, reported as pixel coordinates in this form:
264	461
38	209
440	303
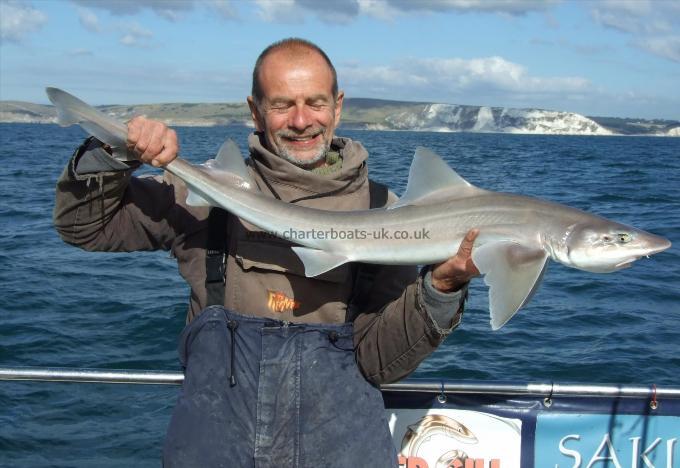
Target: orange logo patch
279	302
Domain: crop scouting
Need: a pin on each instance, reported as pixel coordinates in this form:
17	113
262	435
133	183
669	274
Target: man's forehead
284	73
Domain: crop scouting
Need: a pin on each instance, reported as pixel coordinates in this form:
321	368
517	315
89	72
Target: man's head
295	101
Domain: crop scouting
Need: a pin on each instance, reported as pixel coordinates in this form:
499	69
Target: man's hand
452	274
153	141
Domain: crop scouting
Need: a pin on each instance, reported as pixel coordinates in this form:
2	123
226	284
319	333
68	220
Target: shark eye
623	237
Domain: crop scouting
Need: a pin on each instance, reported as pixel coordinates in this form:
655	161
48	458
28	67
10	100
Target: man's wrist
448	287
442	293
443	308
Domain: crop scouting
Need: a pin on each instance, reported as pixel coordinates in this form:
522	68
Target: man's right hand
152	141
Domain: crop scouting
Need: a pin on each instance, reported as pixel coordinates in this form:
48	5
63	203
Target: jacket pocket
269	280
278	256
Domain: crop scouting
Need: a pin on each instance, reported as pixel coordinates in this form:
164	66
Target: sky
617	58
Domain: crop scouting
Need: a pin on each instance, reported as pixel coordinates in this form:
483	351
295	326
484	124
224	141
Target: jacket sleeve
109	209
402	321
393	339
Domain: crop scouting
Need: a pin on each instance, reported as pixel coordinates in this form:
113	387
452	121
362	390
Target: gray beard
304	163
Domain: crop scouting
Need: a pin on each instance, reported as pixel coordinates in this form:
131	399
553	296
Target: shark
518	234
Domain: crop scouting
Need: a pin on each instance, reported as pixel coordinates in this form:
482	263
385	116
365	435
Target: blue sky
600	58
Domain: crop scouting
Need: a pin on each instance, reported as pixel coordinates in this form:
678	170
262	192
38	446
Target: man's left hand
454	273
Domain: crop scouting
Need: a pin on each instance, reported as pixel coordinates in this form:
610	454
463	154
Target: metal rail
115	376
112	376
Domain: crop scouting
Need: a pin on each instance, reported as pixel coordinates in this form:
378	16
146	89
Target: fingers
153	141
452	274
168	153
465	249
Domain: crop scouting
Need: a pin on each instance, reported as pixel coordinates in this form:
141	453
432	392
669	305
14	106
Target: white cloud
487	80
294	11
378	9
282	11
344	11
649	24
663	46
172	10
624	15
135	36
338	11
89	20
225	8
168	9
331	11
17	20
512	7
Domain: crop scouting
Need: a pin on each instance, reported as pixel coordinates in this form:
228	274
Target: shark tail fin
71	110
65	115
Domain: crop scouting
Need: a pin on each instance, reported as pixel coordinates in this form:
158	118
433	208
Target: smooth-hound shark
518	234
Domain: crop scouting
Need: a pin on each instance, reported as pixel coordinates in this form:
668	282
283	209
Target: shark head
602	246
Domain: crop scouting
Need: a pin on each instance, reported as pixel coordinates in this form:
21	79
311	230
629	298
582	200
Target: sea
63	307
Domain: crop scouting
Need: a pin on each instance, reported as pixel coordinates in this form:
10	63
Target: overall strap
216	256
377	193
365	273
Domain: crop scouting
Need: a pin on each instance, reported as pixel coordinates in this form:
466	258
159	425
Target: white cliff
454	118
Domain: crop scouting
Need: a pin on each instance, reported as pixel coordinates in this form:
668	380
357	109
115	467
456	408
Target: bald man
280	369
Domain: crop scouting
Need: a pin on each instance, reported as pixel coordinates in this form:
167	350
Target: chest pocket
266	278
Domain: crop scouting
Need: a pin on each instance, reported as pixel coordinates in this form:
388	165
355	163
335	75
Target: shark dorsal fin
431	177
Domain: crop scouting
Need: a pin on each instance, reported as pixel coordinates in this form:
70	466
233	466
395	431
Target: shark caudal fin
513	273
229	168
430	178
71	110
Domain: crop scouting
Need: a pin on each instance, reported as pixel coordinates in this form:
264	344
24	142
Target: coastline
378	115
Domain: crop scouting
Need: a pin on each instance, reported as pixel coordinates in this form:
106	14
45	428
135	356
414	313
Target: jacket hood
291	182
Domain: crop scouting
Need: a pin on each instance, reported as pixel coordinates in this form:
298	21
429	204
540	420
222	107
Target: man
277	369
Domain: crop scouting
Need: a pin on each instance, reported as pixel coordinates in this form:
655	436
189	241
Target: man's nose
300	118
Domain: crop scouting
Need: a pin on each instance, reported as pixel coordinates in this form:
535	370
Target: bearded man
280	369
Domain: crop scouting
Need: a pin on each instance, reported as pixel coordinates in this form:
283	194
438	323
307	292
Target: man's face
298	113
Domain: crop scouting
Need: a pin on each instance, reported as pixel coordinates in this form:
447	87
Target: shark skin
518	234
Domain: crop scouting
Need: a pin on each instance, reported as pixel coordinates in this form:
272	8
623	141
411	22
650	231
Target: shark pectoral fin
194	199
317	261
513	273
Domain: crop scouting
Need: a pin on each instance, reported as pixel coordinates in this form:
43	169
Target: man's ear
338	106
255	114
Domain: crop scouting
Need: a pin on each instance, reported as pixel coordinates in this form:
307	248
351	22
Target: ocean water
63	307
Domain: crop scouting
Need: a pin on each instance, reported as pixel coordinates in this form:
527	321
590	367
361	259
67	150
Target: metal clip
547	401
441	398
654	404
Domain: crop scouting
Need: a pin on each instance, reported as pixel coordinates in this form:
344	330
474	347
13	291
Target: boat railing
449	386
